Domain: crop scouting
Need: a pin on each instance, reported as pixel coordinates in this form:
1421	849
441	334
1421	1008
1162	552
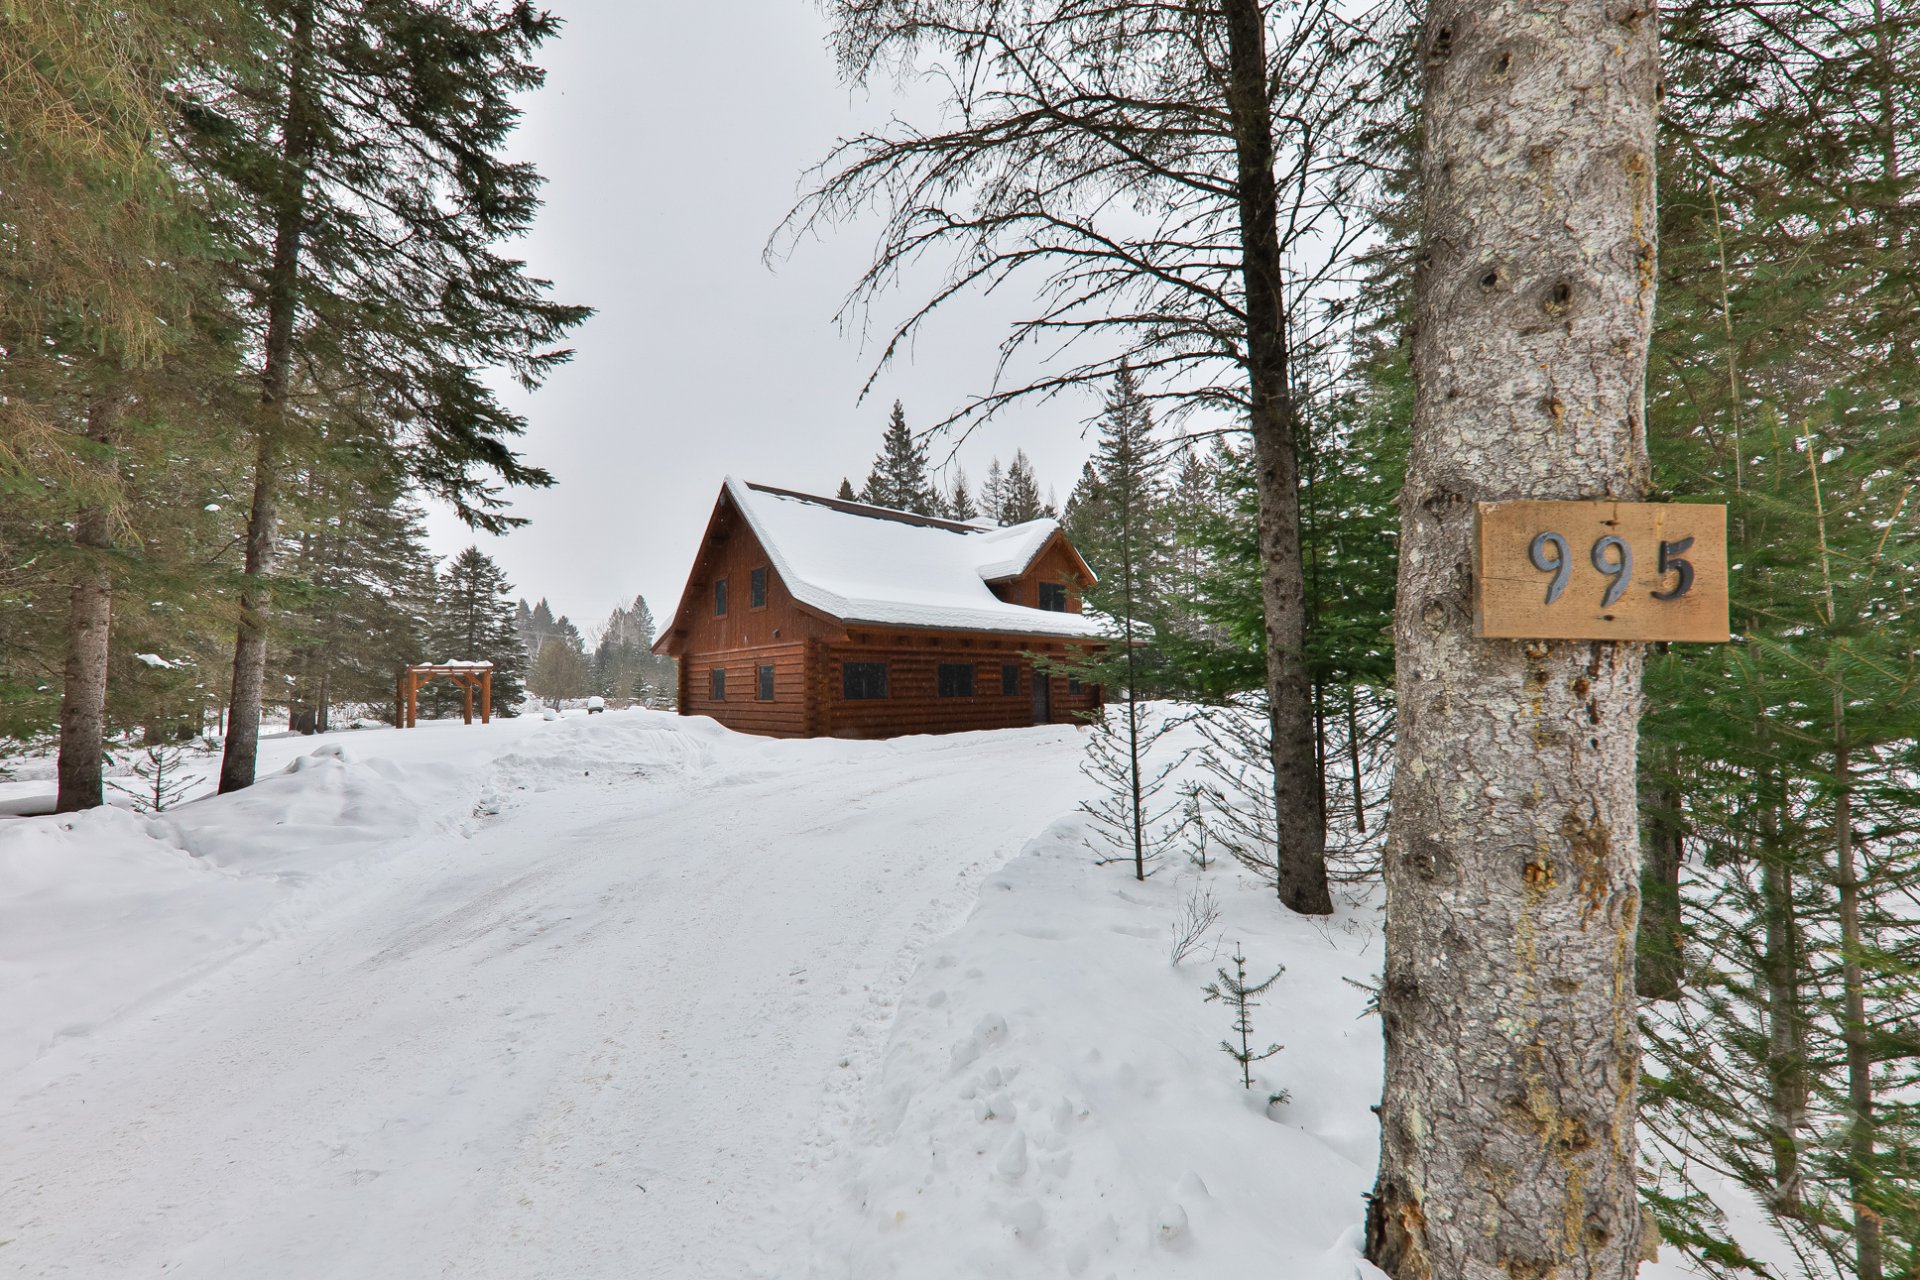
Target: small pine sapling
1132	820
1234	991
162	786
1193	820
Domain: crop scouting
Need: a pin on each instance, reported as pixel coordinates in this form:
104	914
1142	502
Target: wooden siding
913	703
1055	564
731	551
784	717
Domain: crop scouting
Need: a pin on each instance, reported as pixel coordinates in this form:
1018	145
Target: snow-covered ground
633	996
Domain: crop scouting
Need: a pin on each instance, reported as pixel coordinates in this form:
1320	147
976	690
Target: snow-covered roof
868	564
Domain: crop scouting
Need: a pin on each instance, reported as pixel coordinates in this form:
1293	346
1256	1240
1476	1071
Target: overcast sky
673	137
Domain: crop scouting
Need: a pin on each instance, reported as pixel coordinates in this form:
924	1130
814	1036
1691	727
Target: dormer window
720	598
757	589
1053	597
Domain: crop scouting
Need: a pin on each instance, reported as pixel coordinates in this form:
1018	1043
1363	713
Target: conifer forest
1311	292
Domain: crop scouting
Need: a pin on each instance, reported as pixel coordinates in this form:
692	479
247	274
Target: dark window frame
719	597
857	685
1073	684
1053	597
717	685
948	680
757	588
763	686
1010	679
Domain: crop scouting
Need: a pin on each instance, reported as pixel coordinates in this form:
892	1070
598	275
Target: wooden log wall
913	703
784	717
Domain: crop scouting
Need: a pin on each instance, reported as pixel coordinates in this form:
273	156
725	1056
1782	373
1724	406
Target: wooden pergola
468	675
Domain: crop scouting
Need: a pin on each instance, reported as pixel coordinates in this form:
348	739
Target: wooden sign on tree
1600	571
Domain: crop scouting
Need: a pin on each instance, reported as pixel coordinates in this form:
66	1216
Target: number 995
1612	556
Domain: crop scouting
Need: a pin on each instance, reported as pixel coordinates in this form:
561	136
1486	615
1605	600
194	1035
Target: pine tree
1020	498
1082	515
474	621
354	587
993	493
845	492
1785	387
396	294
161	786
535	626
1234	991
624	659
107	258
960	500
899	477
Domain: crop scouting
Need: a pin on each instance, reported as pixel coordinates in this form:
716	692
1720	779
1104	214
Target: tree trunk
1353	763
1300	862
1660	970
1512	871
1869	1262
83	692
283	305
1789	1077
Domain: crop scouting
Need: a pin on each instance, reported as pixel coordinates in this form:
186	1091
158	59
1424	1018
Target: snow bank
104	912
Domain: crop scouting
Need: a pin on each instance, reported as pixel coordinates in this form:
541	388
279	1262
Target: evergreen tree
1775	771
845	492
536	626
899	477
1082	516
624	660
1020	498
993	493
1242	996
355	588
474	621
960	500
390	292
107	258
1120	515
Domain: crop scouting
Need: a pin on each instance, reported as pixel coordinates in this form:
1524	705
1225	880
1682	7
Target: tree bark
1507	1146
83	692
1789	1075
1869	1261
283	305
1300	862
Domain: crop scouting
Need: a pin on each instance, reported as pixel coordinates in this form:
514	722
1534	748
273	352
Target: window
1073	684
863	680
717	684
1010	679
720	598
1053	597
956	679
766	682
757	589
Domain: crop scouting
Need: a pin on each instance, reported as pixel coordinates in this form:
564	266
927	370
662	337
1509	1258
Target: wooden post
486	696
466	691
413	699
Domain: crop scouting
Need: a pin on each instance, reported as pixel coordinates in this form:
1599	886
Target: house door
1042	698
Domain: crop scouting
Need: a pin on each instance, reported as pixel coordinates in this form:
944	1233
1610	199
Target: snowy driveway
605	1016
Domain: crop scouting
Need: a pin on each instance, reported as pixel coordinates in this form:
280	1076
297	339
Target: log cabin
806	616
